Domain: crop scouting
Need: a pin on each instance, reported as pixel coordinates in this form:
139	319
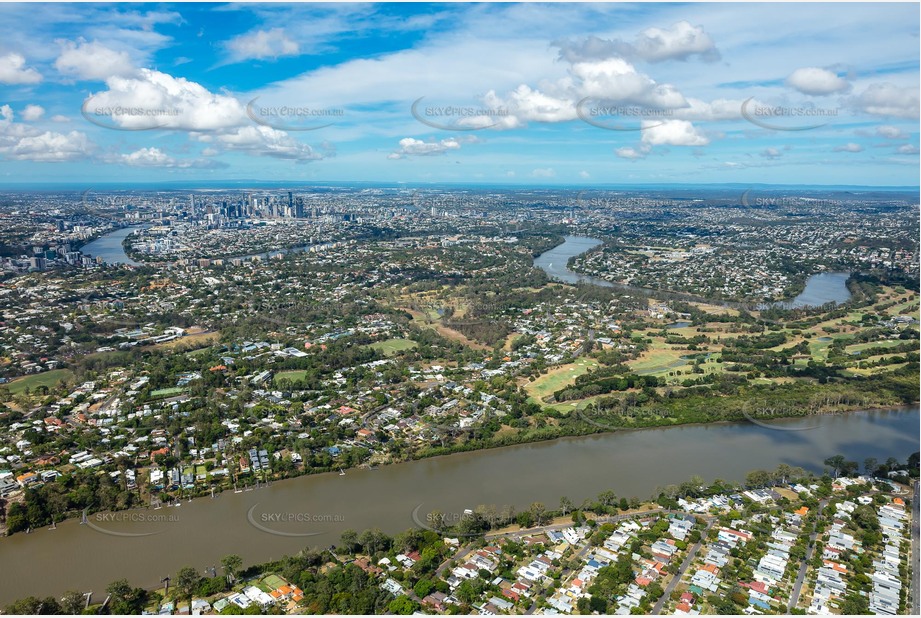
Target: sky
520	94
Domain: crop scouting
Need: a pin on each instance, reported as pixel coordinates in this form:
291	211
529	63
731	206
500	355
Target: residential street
801	576
657	608
913	563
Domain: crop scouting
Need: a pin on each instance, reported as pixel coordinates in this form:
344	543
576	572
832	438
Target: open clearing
444	331
295	375
392	346
47	378
558	378
191	341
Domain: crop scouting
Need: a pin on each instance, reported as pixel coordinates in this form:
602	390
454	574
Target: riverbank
201	532
807	290
582	425
110	246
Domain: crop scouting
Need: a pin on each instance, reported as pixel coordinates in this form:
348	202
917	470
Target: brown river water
267	523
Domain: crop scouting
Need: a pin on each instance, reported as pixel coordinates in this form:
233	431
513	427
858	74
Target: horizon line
405	184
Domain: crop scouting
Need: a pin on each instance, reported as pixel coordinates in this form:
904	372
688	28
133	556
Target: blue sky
532	94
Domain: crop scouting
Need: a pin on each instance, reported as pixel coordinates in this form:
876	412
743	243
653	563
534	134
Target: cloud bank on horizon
511	93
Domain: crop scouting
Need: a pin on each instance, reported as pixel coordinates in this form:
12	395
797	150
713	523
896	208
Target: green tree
598	604
123	599
566	505
835	463
33	606
403	606
423	587
538	511
231	564
187	582
349	541
72	602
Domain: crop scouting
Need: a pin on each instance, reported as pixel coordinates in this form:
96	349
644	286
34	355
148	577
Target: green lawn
295	375
198	352
576	404
50	379
273	581
897	309
558	378
392	346
167	392
859	347
659	357
852	371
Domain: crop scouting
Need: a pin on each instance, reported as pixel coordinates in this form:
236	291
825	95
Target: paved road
568	573
657	608
915	591
801	576
461	553
458	557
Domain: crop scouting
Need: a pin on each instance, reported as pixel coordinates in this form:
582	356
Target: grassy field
295	375
507	346
198	352
448	333
558	378
392	346
659	357
576	404
191	341
897	309
856	371
50	379
715	309
860	347
167	392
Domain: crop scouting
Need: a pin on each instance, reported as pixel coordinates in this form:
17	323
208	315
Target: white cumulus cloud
680	41
13	70
633	154
24	142
410	147
92	61
849	147
260	44
886	99
33	112
154	157
816	81
672	133
890	132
